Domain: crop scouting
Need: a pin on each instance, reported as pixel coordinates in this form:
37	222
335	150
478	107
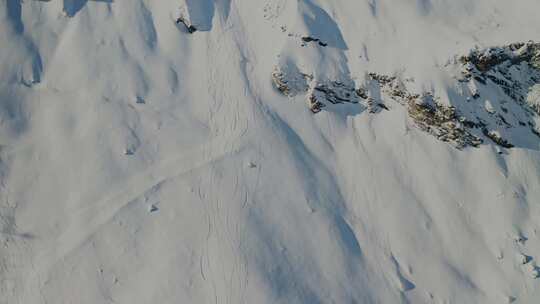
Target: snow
140	163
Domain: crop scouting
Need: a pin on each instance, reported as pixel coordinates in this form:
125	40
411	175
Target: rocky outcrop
428	113
290	81
496	95
441	121
501	85
514	54
322	94
308	39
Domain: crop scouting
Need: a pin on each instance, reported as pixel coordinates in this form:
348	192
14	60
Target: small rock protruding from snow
510	299
523	258
139	100
189	27
308	39
152	208
521	239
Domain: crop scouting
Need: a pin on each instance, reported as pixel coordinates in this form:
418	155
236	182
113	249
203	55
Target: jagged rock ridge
496	93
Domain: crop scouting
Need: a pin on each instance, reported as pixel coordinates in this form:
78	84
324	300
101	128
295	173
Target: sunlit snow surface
143	164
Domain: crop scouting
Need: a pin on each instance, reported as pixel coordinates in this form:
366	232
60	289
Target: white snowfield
141	163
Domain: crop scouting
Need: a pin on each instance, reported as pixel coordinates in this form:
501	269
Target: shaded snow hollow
142	163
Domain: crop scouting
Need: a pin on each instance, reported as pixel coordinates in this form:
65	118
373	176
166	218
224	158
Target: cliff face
269	151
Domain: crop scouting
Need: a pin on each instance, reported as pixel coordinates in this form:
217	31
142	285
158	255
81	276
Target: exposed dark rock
469	118
362	93
516	53
189	27
290	81
322	94
314	104
496	138
441	121
308	39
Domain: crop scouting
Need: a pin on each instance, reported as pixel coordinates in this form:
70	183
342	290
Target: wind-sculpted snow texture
286	151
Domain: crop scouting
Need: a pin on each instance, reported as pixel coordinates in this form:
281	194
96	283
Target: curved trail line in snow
88	221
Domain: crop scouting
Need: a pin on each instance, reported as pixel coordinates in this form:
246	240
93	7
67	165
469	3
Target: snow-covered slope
141	163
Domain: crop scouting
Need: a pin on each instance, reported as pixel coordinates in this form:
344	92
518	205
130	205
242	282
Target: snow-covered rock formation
494	96
269	151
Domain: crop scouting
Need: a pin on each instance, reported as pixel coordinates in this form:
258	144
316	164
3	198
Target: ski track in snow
132	189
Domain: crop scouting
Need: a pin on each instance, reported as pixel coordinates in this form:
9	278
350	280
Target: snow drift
142	163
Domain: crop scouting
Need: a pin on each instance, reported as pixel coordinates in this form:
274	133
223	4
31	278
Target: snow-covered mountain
269	151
